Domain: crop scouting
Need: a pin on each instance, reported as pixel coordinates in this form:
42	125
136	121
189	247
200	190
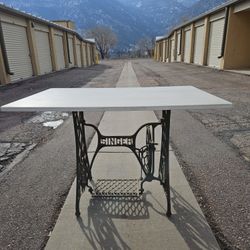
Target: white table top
118	99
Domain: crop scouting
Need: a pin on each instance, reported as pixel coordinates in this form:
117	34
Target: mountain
129	19
202	6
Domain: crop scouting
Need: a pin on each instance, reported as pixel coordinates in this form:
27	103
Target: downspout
4	52
68	47
224	34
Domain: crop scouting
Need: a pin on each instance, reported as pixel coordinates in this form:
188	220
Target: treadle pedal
116	188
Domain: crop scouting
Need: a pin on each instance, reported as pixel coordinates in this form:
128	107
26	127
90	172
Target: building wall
207	40
237	51
33	47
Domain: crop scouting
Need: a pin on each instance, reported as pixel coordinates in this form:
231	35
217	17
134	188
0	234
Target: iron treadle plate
116	187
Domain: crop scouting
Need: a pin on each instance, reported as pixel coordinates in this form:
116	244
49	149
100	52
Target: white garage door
187	45
43	51
178	47
215	42
78	53
71	52
18	53
88	55
172	50
59	51
84	55
199	44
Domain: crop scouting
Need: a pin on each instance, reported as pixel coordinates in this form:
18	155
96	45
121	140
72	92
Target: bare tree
105	39
146	46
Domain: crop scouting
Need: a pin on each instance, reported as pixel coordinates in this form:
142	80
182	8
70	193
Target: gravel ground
33	192
212	145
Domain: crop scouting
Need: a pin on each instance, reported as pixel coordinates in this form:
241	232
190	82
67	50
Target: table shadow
191	224
99	228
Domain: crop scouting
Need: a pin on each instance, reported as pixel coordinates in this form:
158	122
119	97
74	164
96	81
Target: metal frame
145	155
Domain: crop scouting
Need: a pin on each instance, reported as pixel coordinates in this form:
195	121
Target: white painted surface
43	51
18	53
215	43
179	47
59	51
199	44
78	53
118	99
71	52
172	48
187	47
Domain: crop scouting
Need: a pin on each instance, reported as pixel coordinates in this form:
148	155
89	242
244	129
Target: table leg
164	158
83	171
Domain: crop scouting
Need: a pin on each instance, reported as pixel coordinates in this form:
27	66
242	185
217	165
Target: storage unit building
17	46
219	38
32	46
59	53
43	48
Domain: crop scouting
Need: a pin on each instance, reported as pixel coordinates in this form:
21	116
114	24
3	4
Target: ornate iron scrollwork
145	155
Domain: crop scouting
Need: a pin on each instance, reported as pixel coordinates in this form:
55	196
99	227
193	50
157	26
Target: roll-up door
172	49
187	46
71	51
78	54
59	50
215	42
84	55
18	53
88	53
199	44
43	51
178	47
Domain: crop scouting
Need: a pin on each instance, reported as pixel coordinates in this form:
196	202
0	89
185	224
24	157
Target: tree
105	39
146	46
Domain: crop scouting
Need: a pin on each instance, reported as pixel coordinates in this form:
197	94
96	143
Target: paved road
30	196
212	146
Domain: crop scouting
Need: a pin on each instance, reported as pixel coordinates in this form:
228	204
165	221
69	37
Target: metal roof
207	13
13	11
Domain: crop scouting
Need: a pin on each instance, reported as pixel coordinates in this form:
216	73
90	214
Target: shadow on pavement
191	224
100	229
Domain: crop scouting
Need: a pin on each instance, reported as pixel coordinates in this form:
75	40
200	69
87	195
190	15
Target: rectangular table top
118	99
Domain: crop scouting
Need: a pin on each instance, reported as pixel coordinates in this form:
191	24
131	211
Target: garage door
215	42
18	53
71	51
172	50
178	47
43	51
78	53
88	55
199	44
187	45
59	51
84	55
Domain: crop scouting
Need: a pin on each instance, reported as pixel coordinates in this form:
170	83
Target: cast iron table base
145	155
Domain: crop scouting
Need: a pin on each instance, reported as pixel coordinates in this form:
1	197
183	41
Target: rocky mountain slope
130	19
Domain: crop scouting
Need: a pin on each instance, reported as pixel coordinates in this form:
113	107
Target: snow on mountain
130	19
